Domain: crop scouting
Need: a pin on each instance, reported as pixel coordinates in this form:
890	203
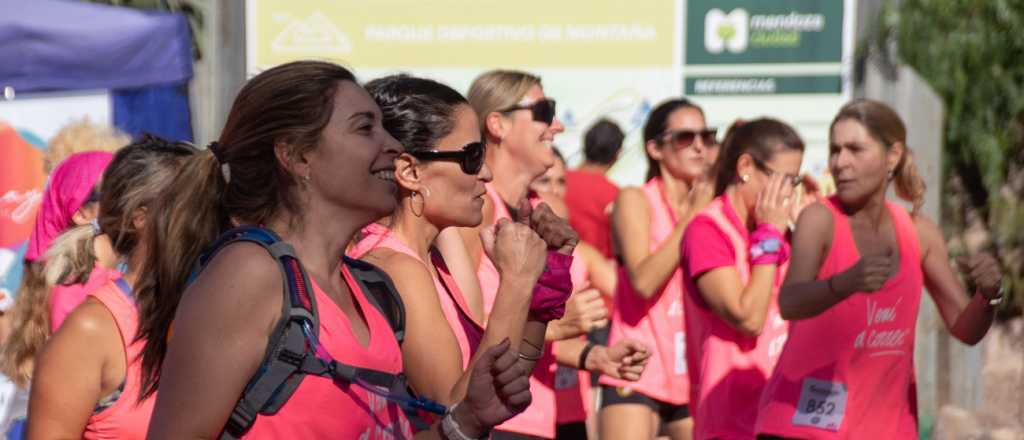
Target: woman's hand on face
984	273
515	249
773	202
555	230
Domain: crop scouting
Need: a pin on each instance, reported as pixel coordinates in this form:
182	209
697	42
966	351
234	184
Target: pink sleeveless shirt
539	418
572	386
849	372
657	321
64	299
728	369
467	331
126	418
321	408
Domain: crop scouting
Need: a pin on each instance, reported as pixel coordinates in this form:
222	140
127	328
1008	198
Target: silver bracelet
451	429
998	299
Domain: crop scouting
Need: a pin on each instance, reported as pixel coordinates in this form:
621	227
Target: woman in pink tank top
577	357
87	381
853	288
441	181
69	201
733	258
648	224
303	155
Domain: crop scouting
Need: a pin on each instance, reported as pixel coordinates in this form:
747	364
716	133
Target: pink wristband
769	246
552	289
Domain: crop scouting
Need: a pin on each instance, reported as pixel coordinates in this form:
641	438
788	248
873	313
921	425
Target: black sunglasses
470	157
680	139
543	110
793	179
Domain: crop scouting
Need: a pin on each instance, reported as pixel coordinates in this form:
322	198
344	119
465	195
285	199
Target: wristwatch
764	247
451	429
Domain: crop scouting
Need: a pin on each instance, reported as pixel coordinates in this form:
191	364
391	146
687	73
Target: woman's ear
139	218
295	164
654	150
893	157
745	167
495	126
407	172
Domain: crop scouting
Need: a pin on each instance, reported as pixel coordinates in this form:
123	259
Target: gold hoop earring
412	203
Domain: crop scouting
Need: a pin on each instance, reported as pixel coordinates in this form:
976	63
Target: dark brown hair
885	126
239	180
657	122
761	139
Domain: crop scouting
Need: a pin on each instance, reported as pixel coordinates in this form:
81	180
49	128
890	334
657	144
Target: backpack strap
381	292
287	356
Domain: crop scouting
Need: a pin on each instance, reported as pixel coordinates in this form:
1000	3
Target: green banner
763	85
768	31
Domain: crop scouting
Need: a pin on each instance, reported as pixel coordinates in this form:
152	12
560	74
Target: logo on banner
726	31
316	34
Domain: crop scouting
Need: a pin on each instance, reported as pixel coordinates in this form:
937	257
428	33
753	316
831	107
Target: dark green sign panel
768	31
763	85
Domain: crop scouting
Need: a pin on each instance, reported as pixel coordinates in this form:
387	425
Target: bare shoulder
630	201
89	322
815	216
408	273
929	234
242	281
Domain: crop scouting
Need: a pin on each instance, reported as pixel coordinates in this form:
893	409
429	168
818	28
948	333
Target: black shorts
668	412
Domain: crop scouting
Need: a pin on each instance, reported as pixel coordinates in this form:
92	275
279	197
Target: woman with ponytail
304	155
857	255
733	257
71	199
86	380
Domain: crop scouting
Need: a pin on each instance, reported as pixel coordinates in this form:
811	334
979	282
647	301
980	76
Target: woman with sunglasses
303	154
857	255
733	258
441	179
518	125
647	225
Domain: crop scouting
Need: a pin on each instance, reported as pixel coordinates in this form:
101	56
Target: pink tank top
467	331
657	321
728	369
125	419
539	418
572	386
321	408
849	372
64	299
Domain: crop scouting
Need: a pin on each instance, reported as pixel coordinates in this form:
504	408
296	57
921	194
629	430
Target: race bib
822	404
566	377
680	343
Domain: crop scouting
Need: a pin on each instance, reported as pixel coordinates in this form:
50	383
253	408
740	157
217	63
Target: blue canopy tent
143	58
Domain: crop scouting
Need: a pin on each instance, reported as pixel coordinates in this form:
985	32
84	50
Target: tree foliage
971	52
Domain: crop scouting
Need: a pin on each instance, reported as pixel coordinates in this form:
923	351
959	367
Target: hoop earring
412	203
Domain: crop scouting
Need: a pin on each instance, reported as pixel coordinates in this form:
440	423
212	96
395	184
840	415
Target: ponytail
194	219
69	260
30	322
71	257
909	184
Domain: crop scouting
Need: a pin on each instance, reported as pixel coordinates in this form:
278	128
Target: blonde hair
30	326
82	135
497	90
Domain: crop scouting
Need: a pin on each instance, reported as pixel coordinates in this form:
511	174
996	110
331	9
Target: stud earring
745	178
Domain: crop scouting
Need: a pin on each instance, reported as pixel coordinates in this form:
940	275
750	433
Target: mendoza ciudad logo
739	30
